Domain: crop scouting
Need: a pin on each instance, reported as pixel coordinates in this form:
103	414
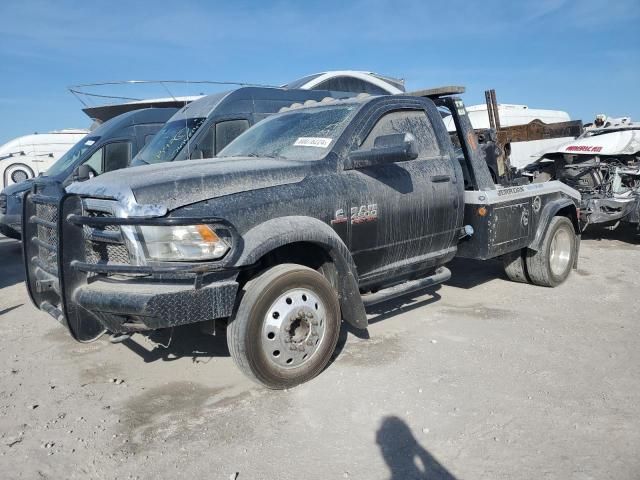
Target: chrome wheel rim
294	328
560	252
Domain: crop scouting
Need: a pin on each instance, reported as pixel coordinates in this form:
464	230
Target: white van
28	156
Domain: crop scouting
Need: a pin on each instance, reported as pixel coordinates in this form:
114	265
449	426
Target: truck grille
48	235
106	253
3	203
104	245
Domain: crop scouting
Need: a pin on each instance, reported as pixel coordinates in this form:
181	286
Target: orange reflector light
207	234
482	211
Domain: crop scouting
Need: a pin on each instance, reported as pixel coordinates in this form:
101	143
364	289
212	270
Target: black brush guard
44	259
59	278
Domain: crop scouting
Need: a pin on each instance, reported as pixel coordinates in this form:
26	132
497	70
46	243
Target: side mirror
82	173
397	147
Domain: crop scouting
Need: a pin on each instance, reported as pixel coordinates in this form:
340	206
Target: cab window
116	156
228	130
206	145
406	121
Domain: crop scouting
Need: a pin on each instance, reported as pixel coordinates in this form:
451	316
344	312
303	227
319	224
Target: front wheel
551	265
286	326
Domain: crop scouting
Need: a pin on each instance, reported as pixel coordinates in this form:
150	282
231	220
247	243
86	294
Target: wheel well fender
563	207
277	234
16	166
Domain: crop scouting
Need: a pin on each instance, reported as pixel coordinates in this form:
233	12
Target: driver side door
403	214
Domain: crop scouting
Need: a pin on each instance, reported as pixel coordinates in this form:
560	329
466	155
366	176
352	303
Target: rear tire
552	264
515	266
286	326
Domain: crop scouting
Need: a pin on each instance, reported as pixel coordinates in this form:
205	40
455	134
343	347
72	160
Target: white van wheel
18	176
17	173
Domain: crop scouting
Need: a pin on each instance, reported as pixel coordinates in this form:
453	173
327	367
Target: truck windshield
305	134
167	143
72	157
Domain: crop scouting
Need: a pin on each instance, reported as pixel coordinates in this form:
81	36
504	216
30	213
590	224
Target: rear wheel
551	265
515	266
286	326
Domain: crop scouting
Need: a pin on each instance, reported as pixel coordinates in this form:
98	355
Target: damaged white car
603	164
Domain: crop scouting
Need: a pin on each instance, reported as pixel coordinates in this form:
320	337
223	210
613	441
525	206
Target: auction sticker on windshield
319	142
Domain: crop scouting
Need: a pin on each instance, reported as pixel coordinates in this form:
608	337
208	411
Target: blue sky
579	56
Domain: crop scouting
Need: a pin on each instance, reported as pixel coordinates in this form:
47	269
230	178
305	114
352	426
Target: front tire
551	265
286	326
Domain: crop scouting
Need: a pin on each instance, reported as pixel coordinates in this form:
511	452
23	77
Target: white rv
27	156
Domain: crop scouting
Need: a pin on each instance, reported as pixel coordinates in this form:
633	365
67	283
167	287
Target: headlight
182	243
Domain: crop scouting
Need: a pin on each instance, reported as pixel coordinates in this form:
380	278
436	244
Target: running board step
442	274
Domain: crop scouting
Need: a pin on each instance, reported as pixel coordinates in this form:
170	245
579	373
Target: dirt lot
477	379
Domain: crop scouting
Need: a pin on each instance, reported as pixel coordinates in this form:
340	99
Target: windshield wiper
262	155
251	155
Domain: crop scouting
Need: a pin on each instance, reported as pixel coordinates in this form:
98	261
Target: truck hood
176	184
621	142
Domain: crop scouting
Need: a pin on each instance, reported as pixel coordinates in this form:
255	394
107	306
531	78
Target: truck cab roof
248	100
135	117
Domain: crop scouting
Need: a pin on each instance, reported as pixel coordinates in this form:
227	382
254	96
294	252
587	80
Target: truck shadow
182	342
624	233
11	266
189	341
405	457
384	311
467	273
7	310
403	304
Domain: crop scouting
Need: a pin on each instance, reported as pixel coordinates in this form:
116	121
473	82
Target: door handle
440	178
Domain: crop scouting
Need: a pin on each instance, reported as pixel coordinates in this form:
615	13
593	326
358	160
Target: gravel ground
479	378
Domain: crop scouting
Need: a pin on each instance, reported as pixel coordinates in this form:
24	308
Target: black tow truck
303	221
